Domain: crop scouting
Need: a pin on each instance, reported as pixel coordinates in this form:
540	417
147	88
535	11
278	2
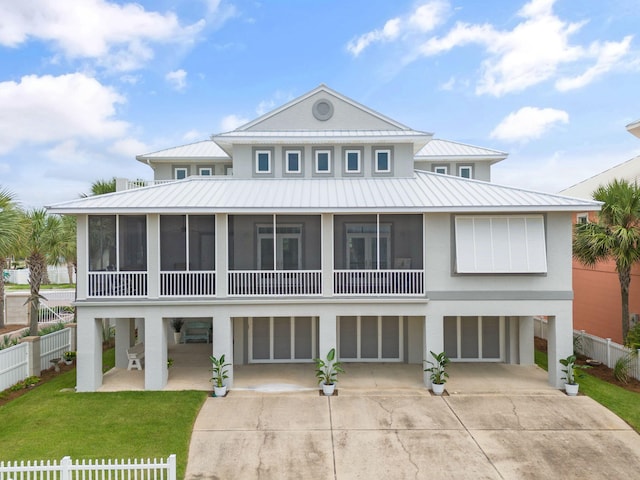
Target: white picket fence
57	274
14	361
67	469
603	350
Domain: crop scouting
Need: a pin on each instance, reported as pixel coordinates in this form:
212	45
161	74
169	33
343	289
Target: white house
325	224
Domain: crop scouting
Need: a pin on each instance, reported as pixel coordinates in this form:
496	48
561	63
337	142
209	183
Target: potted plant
69	357
327	372
438	372
219	375
570	374
176	324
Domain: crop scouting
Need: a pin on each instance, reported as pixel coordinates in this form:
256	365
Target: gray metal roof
634	128
424	192
351	134
446	148
629	171
197	150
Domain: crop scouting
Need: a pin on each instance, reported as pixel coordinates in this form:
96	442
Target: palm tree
100	187
68	248
40	244
616	236
9	234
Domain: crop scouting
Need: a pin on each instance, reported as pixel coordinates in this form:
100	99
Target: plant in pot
176	324
438	371
69	357
219	375
327	371
570	374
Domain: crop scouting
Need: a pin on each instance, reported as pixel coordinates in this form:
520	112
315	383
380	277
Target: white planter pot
220	391
68	362
176	337
437	388
328	389
571	390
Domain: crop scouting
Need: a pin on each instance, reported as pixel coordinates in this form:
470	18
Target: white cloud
54	109
192	135
528	123
423	19
177	79
129	147
117	36
231	122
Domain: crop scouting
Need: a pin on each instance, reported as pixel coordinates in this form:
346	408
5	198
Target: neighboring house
311	228
597	306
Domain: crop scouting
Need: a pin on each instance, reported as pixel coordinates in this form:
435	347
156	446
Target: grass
49	423
10	287
620	401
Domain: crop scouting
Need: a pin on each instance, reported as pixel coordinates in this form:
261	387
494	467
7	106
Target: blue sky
87	85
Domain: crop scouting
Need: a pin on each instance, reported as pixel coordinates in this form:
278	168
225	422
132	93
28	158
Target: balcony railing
275	283
117	284
188	284
379	282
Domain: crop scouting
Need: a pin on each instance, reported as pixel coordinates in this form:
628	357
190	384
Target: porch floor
191	371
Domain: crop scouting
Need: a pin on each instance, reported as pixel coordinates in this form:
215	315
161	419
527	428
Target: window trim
256	156
445	169
180	169
287	152
315	158
347	152
201	169
464	167
376	161
582	218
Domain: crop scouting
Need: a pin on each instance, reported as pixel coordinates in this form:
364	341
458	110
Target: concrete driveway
409	434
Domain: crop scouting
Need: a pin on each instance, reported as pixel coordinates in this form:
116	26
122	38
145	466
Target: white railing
133	184
379	282
601	349
69	469
275	282
67	295
53	345
117	284
56	314
187	284
14	365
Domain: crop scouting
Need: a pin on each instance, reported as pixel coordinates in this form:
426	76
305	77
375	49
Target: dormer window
263	161
323	161
293	161
352	161
383	161
180	173
205	171
465	171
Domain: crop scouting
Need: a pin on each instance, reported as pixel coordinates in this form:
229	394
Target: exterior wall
481	169
164	171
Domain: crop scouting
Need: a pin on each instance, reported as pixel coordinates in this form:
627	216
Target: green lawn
10	287
622	402
48	423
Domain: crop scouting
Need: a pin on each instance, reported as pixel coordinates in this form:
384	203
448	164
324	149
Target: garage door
370	339
282	339
474	338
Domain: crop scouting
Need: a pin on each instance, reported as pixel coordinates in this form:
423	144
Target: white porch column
155	352
125	335
328	336
327	255
89	354
153	255
222	255
82	264
513	340
433	340
222	342
526	341
559	345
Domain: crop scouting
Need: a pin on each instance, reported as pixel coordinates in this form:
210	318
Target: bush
633	338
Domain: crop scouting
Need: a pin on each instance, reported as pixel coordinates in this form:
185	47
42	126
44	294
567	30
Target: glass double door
287	251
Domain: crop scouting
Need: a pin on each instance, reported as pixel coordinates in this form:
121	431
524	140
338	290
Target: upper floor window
442	169
465	171
582	218
352	161
263	161
383	161
323	161
292	161
205	171
180	172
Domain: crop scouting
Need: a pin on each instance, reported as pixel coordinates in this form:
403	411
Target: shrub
621	368
633	338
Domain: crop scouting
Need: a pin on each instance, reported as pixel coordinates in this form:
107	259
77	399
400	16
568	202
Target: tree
616	236
10	226
100	187
40	244
68	248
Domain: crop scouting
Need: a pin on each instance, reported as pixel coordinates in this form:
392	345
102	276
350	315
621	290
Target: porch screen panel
133	243
490	337
303	337
469	337
451	336
102	242
260	338
282	338
390	337
500	244
202	242
348	338
173	242
368	337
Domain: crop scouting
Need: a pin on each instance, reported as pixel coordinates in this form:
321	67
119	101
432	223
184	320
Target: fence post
172	467
609	352
33	355
65	468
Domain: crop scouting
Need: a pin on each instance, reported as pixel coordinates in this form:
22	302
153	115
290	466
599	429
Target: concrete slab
392	412
412	454
582	455
523	412
263	455
485	378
